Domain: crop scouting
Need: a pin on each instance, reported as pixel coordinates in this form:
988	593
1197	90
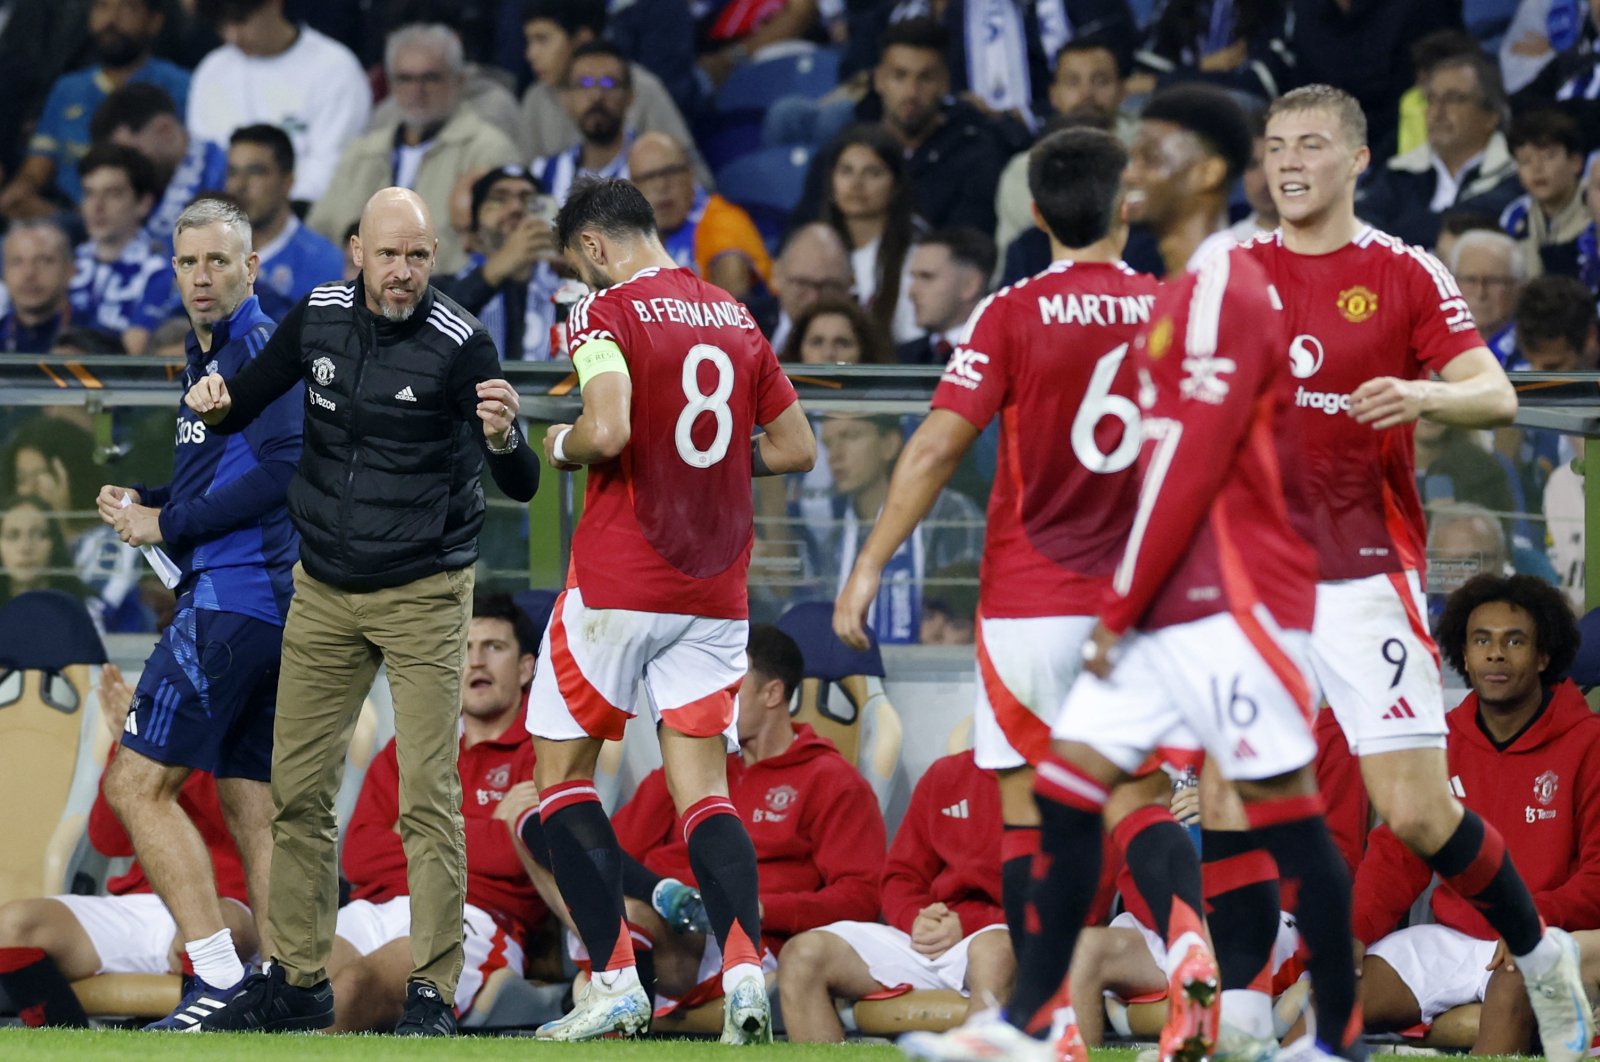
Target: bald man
404	406
813	262
702	231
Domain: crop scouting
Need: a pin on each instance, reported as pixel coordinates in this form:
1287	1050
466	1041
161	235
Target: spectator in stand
509	281
1580	65
950	271
1556	325
869	206
33	553
37	258
123	281
123	32
1489	269
941	902
1547	221
554	29
700	229
144	118
1239	46
813	263
834	330
47	943
293	258
1465	163
1425	55
597	95
734	30
372	946
39	41
1524	752
1456	222
271	71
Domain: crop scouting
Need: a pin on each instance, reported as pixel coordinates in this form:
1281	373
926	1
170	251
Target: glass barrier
1507	500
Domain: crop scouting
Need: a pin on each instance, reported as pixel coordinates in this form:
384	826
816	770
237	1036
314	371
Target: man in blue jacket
207	695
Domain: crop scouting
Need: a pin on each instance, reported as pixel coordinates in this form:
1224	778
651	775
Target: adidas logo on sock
405	395
957	810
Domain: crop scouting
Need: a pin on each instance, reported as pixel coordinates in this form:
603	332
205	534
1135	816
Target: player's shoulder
951	770
1388	253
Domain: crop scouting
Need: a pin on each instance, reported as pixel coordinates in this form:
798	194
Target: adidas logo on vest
405	395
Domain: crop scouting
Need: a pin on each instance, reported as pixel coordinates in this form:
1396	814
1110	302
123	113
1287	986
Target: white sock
215	960
616	982
1180	949
734	974
1248	1011
1541	959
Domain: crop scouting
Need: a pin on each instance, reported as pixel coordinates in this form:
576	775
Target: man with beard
293	258
404	407
508	281
145	118
597	95
436	142
123	32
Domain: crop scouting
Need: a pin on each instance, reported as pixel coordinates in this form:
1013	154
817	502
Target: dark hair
1555	630
1096	42
775	655
1553	306
131	107
570	15
63	576
609	204
1546	127
921	32
1177	28
141	173
270	137
56	438
1075	178
1459	220
900	227
86	340
495	605
1489	81
1212	115
875	346
967	245
226	12
604	49
1440	45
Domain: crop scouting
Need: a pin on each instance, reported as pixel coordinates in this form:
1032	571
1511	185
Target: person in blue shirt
121	282
123	33
146	119
206	700
294	258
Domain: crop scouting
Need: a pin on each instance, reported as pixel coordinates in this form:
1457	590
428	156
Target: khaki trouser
332	645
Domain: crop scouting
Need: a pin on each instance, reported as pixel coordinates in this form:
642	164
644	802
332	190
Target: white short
894	963
1201	685
132	934
592	660
1025	668
368	926
1377	664
1443	967
1283	947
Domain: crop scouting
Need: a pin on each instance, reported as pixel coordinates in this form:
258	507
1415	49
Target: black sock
1066	876
1164	865
531	831
1018	846
1475	863
587	862
724	864
644	960
39	993
1292	829
1242	902
638	880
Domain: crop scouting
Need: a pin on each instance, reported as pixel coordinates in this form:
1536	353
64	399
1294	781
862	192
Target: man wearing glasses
597	94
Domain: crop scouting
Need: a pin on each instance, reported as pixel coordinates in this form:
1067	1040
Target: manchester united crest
1358	303
1545	786
499	777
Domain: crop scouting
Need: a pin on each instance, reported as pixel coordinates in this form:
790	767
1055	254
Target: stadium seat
768	183
759	84
960	739
927	1010
48	646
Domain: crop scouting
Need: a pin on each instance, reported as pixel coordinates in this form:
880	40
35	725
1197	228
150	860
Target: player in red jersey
1203	640
675	377
1369	319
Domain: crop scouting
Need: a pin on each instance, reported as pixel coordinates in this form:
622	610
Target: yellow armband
598	356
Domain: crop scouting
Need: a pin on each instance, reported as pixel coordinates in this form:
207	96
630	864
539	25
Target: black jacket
388	487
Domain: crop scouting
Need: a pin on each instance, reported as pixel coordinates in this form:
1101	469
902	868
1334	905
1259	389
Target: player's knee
990	957
805	960
23	924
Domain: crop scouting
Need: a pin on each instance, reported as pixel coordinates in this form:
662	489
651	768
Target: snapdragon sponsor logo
1305	360
1329	402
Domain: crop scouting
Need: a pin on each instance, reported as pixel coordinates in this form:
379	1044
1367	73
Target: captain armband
598	356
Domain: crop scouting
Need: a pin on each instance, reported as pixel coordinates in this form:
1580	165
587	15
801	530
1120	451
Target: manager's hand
209	398
497	408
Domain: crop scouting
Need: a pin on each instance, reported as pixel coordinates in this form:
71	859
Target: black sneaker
426	1013
266	1002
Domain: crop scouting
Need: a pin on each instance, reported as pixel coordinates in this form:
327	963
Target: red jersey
1542	793
375	861
667	526
1375	307
1211	533
198	799
1047	355
818	834
947	849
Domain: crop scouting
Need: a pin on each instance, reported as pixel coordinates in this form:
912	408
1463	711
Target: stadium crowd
861	177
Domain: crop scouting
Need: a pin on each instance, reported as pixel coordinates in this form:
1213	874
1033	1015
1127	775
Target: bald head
659	166
814	262
394	248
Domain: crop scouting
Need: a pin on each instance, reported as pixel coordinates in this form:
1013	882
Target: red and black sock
1018	846
587	862
724	864
1164	864
38	992
638	880
1242	903
1475	863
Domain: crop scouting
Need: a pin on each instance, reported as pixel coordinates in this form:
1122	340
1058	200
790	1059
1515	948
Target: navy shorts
208	695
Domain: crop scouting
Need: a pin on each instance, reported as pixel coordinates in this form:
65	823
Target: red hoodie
1542	794
198	799
818	834
375	861
947	849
